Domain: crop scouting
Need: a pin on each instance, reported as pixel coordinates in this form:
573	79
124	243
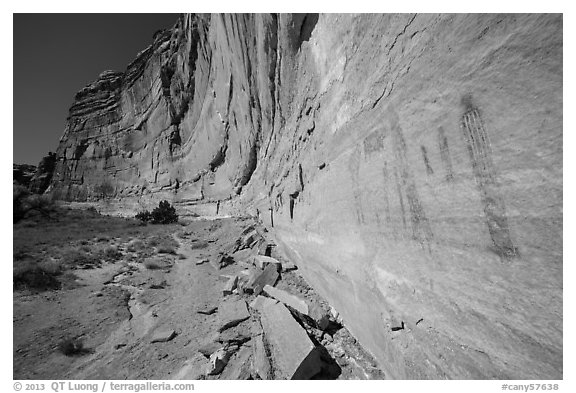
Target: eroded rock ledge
410	164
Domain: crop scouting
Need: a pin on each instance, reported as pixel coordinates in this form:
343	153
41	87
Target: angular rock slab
231	312
230	285
263	261
192	369
239	366
163	336
268	277
260	302
260	361
288	299
294	355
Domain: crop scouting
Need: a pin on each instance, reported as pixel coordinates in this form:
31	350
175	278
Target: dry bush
166	247
153	264
78	259
136	245
29	274
112	254
72	347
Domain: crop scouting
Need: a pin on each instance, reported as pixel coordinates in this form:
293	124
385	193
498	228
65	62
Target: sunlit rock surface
410	165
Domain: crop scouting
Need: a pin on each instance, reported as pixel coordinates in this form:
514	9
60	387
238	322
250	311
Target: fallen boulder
267	277
263	261
231	312
288	299
295	356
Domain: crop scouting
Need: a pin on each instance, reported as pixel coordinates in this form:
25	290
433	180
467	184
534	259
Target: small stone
288	266
327	338
163	336
208	310
218	361
201	261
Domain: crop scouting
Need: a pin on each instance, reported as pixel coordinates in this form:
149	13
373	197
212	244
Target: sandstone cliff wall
410	164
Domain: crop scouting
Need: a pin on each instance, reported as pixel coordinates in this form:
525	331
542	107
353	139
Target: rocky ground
100	297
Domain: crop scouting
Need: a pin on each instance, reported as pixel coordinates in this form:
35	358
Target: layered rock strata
411	165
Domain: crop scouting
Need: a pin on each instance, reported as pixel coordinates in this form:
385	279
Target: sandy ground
115	309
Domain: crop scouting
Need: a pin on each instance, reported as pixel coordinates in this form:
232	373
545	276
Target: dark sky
55	55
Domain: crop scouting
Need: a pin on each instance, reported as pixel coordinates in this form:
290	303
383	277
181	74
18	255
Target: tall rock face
410	164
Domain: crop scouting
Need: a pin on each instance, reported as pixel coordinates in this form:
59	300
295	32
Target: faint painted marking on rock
429	169
400	199
421	230
385	176
354	166
445	154
374	142
480	151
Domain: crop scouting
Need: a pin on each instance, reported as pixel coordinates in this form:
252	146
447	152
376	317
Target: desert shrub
144	216
51	266
136	245
153	264
183	234
19	193
112	254
103	238
166	248
154	241
78	259
25	202
86	248
31	275
41	203
163	214
72	347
